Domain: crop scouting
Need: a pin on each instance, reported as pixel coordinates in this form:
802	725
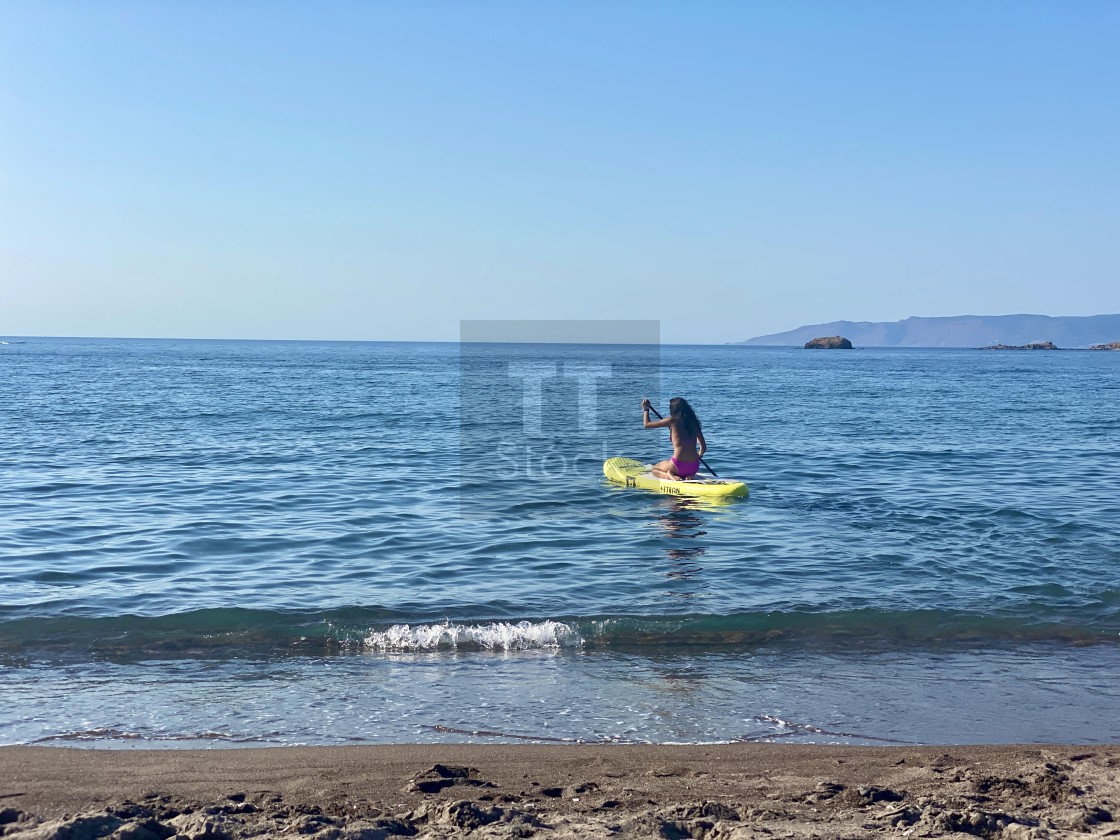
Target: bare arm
664	422
703	444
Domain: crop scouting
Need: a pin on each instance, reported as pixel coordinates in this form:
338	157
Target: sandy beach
449	791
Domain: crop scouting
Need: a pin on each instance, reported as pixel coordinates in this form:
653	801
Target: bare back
684	447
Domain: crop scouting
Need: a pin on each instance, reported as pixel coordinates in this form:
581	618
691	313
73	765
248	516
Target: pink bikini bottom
685	469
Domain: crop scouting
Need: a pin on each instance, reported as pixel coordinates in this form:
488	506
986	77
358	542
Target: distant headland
1034	345
959	331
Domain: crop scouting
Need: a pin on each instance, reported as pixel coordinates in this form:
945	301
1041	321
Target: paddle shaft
702	461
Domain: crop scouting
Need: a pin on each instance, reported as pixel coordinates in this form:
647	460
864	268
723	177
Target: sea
208	544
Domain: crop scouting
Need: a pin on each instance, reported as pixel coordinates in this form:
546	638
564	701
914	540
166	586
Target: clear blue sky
380	170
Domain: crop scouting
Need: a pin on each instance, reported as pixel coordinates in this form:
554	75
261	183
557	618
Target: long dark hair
684	418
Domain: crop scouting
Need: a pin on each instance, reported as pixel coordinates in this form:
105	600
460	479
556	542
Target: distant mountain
959	331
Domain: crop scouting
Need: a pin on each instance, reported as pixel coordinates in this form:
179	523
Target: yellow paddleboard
636	474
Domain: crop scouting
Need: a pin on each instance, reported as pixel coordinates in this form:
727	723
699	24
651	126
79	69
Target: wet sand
450	791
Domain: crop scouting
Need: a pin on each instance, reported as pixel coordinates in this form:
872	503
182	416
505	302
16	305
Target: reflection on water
683	530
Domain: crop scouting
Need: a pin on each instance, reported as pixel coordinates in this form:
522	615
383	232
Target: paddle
702	461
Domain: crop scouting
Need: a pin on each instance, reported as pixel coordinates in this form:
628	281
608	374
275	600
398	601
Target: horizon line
742	345
4	337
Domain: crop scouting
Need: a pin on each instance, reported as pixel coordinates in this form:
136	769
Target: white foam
501	635
786	724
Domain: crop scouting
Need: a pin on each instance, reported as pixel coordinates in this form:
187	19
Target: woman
684	431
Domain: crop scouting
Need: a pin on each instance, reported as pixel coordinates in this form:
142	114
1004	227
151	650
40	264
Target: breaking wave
496	636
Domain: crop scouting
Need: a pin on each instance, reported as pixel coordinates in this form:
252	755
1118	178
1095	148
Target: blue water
228	543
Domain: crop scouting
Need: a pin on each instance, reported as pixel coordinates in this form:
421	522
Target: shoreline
562	791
